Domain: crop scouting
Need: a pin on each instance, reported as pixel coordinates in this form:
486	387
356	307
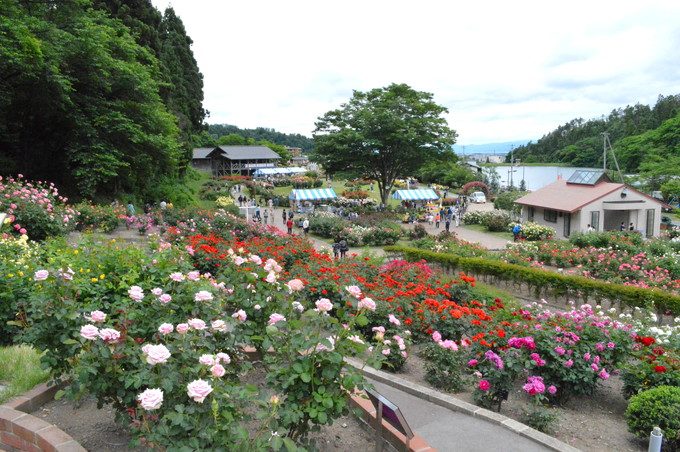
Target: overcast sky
505	70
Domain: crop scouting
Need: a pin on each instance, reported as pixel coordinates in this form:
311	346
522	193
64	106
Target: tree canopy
294	140
384	134
81	96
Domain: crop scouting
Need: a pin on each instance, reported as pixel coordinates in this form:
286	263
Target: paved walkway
448	430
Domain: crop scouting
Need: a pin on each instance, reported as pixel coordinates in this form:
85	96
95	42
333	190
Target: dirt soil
593	423
97	431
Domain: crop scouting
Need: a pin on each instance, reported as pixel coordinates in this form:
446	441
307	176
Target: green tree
383	134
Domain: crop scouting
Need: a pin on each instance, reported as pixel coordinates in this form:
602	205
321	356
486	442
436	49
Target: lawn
19	370
195	182
480	228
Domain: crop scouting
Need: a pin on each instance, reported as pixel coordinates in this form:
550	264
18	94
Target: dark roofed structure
232	160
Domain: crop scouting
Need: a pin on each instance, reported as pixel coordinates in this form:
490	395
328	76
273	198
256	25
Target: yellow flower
11	275
20	273
94	280
102	276
75	251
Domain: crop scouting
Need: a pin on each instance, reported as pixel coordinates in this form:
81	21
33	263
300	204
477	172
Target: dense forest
99	96
640	135
263	134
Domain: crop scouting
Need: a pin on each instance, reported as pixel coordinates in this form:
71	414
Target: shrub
444	368
624	241
533	231
496	221
356	194
657	407
418	232
542	419
652	365
506	200
380	236
101	218
224	201
474	217
475	186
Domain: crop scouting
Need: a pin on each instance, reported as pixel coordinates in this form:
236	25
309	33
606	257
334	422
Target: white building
590	198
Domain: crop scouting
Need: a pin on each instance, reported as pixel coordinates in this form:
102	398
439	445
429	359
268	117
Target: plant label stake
392	414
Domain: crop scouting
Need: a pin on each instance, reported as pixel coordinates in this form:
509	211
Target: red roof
567	197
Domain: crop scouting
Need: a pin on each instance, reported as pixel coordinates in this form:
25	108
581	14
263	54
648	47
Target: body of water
535	177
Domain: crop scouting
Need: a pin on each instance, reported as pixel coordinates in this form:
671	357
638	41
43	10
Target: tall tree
384	134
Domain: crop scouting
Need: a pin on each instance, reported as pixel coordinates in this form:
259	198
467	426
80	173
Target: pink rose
177	276
166	328
109	335
136	293
240	315
568	363
219	325
182	328
194	275
355	291
223	357
238	260
295	285
386	351
484	385
196	324
198	390
271	277
156	354
472	363
203	295
437	336
275	318
552	390
41	275
393	320
603	374
324	305
367	303
157	291
97	316
165	298
207	360
89	332
217	370
151	399
257	260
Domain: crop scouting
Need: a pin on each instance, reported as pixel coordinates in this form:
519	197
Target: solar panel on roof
585	177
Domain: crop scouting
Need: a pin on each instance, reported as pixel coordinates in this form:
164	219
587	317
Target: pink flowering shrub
35	209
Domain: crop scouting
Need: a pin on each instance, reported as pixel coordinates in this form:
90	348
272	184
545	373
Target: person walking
622	227
343	248
516	232
631	227
284	216
336	250
456	216
266	216
437	220
447	223
305	226
289	225
130	209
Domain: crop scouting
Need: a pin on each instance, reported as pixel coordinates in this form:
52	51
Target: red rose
659	369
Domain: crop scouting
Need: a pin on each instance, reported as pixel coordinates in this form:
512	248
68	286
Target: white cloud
506	70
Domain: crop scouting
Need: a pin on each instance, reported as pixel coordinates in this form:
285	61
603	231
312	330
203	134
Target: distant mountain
488	148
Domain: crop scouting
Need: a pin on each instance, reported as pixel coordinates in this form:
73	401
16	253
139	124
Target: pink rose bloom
217	371
386	351
552	390
219	325
275	318
196	324
136	293
603	374
393	320
295	285
257	260
367	303
257	307
596	360
472	363
271	277
41	275
238	260
22	231
166	328
437	336
272	265
595	367
198	390
599	346
240	315
207	360
449	344
182	328
355	291
298	306
177	277
586	356
89	332
194	275
190	250
611	345
378	329
484	385
203	295
151	399
560	350
157	291
156	354
97	316
109	335
165	298
568	363
223	357
324	305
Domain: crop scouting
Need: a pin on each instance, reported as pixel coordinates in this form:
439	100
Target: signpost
391	414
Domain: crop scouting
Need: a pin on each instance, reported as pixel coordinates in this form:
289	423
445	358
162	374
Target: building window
595	219
550	215
530	213
650	223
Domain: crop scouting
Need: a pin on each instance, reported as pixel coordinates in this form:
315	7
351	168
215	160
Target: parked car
478	197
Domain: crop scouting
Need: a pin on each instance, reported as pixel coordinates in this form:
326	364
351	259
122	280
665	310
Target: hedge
539	279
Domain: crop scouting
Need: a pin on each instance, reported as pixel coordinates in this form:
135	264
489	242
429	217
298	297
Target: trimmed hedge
560	283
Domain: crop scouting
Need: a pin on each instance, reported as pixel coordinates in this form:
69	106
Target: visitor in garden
163	205
130	210
516	231
336	250
430	218
456	216
437	220
147	208
447	222
305	226
622	227
289	225
284	216
343	248
257	213
631	227
265	216
291	214
589	228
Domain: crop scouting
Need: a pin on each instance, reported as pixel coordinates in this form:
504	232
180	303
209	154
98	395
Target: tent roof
312	194
416	195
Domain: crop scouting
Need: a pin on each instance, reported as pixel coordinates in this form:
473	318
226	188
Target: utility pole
512	162
605	140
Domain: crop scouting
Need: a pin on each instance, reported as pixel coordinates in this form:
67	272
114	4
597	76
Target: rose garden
213	332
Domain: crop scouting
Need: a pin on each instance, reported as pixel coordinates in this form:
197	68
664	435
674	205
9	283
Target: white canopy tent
279	171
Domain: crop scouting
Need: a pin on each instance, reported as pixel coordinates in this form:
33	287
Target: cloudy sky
505	70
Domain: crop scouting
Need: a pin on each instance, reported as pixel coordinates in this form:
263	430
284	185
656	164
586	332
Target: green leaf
305	377
362	320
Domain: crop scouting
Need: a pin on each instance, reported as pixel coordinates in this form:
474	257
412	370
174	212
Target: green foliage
506	200
543	279
383	134
448	173
542	419
444	368
670	189
98	218
261	133
624	241
657	407
533	232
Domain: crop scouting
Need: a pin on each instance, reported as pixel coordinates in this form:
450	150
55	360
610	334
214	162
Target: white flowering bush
533	231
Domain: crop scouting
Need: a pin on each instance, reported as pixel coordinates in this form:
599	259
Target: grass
19	370
195	182
479	228
486	291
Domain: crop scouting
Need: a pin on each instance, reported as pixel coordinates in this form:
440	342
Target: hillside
263	134
638	133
